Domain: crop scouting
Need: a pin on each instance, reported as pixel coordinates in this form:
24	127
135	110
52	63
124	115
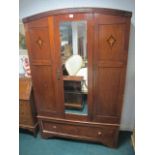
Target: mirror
74	65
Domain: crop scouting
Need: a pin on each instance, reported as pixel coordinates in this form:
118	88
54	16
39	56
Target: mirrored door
74	60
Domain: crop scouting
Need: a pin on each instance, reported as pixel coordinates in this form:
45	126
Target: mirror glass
74	65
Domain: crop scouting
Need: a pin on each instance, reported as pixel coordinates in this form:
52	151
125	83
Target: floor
30	145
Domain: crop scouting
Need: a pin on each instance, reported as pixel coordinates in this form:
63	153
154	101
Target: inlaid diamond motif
39	42
111	41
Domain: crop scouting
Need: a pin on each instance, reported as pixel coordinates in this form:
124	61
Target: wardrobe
78	57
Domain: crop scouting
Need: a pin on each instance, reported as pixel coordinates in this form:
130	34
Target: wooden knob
99	133
54	127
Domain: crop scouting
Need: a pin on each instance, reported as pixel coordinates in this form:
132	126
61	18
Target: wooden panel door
48	94
110	56
87	18
38	42
44	89
40	46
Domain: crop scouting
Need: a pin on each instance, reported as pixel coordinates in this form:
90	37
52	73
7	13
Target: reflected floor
83	111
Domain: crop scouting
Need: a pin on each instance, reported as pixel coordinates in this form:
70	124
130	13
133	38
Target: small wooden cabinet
72	92
100	38
27	112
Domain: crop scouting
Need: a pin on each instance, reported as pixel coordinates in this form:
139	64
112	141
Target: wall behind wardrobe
30	7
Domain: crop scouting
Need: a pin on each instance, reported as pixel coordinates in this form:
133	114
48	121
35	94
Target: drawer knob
54	127
99	133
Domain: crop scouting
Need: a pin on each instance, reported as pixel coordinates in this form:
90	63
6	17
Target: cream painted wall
30	7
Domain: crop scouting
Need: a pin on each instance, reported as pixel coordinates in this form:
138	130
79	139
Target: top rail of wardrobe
78	10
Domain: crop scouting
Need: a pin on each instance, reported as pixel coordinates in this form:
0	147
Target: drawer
24	108
73	101
73	97
26	120
72	86
101	133
25	113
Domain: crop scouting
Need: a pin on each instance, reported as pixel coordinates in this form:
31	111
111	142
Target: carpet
30	145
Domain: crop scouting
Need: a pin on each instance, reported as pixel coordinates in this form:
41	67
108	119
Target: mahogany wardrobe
78	60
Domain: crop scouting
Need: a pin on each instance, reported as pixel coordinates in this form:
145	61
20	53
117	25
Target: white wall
30	7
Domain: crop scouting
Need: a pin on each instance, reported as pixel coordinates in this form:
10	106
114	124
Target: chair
73	66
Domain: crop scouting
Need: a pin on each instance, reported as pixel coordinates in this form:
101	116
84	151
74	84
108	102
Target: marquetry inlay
111	41
40	42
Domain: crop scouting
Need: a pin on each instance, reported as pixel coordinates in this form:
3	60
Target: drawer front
81	131
24	108
73	98
72	86
25	113
26	121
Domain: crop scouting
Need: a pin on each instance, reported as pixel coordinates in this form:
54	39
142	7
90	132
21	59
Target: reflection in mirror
74	63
